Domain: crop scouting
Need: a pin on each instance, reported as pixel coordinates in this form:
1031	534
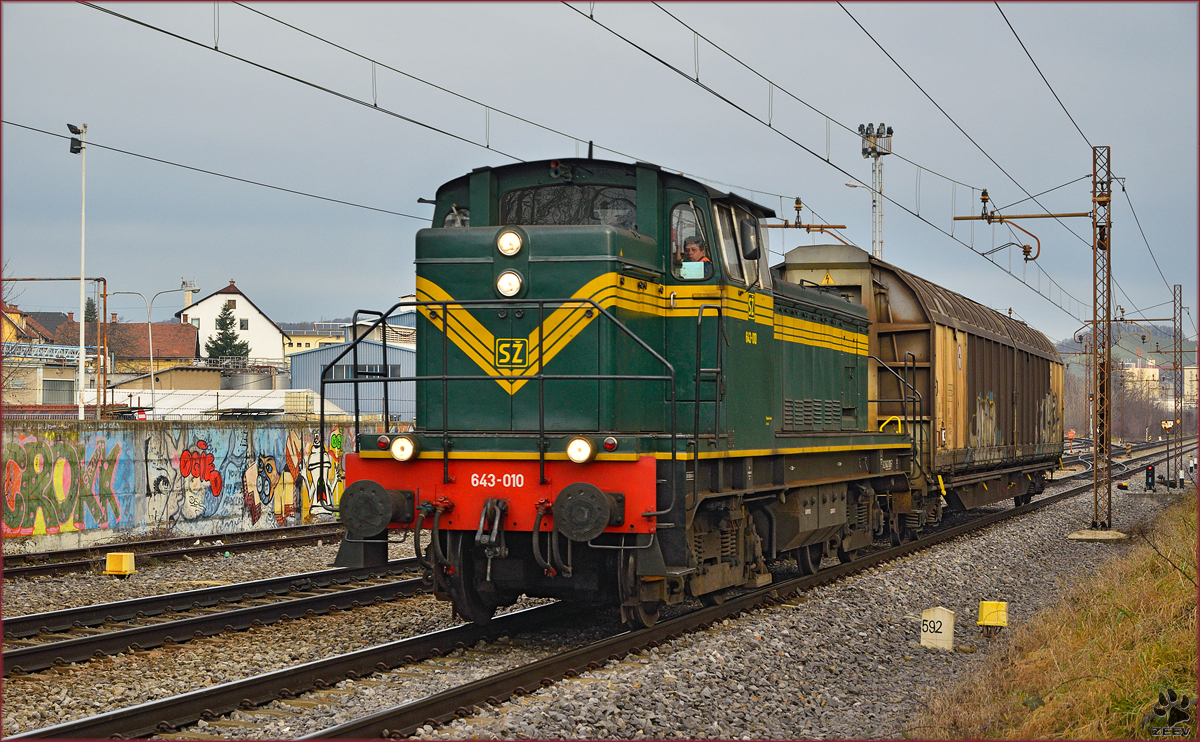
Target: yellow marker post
993	616
119	563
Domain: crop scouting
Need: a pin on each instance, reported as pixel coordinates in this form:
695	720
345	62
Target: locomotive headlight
581	450
509	243
405	447
509	283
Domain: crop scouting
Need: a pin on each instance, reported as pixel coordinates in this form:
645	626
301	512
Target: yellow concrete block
119	563
993	613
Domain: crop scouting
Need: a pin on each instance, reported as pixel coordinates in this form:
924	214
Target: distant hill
1157	346
290	326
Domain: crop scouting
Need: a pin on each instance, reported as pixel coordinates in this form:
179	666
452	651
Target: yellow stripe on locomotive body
608	291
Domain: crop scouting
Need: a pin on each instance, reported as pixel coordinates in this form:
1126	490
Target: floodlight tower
875	144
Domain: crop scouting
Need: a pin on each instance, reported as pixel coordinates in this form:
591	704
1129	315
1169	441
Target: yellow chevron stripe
466	332
565	323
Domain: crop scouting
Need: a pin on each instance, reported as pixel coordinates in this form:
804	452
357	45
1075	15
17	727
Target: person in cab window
696	262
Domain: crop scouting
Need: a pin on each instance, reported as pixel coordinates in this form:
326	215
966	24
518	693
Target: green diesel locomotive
619	400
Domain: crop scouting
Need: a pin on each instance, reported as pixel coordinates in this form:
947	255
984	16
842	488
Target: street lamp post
183	286
77	148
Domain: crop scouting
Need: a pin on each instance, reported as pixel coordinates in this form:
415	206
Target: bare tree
11	369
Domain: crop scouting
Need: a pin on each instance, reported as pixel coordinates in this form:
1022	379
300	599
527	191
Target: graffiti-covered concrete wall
72	484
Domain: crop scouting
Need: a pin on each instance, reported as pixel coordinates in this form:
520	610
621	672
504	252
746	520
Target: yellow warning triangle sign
827	280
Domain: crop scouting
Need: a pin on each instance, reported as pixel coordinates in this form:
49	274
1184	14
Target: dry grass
1092	666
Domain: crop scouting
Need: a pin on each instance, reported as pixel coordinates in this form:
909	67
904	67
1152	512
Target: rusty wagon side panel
990	422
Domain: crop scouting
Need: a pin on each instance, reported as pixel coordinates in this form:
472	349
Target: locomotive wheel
645	613
808	558
845	556
895	532
467	601
716	597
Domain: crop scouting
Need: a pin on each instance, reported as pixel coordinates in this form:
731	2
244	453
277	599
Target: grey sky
1126	72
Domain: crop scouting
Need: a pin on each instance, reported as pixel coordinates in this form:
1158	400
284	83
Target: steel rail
25	565
88	551
49	622
401	721
42	656
170	713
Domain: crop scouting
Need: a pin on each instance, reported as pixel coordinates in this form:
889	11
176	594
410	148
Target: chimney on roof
70	316
231	282
114	317
187	298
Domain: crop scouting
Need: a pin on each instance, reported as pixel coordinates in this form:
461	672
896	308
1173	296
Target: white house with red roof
252	324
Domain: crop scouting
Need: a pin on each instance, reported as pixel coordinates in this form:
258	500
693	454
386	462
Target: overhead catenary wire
951	118
1043	193
776	86
92	143
1051	282
1043	76
1032	197
489	107
1143	233
302	81
374	104
1085	139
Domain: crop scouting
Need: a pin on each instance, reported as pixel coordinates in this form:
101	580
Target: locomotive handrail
717	380
541	377
918	410
904	400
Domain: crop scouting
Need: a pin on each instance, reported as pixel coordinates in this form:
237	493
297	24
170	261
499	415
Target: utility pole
1100	365
875	144
79	147
1177	431
1102	338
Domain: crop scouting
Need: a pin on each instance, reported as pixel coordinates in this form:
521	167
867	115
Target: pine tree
226	342
89	310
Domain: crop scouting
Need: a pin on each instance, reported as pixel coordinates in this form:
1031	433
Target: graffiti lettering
53	486
65	488
199	464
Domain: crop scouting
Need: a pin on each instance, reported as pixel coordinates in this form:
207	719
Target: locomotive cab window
570	204
691	251
744	246
729	250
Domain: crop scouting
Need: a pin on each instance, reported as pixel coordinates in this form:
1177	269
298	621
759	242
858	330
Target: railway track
93	558
42	563
44	640
167	716
1084	458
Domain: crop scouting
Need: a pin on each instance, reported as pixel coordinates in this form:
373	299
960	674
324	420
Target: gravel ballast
51	593
844	661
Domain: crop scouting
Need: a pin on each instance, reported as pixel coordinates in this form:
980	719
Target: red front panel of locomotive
477	480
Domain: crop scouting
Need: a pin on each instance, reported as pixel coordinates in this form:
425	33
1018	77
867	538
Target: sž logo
510	353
